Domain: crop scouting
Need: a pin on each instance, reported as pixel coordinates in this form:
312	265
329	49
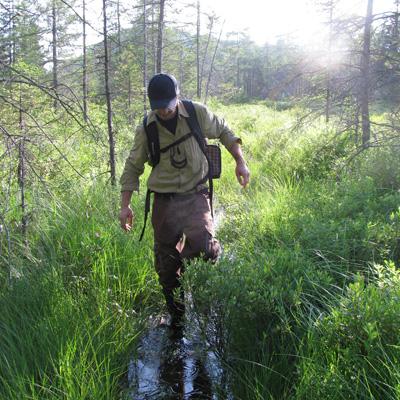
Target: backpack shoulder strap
153	141
194	125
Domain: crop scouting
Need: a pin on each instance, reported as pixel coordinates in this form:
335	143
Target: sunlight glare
268	21
300	21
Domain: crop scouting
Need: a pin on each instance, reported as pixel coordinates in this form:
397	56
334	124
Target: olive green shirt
164	177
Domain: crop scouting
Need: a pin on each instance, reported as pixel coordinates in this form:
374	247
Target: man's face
166	113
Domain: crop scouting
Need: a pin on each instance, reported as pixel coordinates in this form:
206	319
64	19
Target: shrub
353	352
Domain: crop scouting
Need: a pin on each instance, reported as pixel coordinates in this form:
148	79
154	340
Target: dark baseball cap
162	91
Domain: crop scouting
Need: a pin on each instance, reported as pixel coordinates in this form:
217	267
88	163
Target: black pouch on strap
211	151
214	156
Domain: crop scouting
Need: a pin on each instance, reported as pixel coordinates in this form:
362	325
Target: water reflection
183	372
174	365
201	383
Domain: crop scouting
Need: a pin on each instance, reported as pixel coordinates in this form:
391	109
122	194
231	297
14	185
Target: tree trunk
160	37
12	36
54	44
365	77
356	123
205	52
251	83
144	58
119	26
198	51
181	66
153	38
21	167
212	63
130	116
84	67
329	62
238	61
108	98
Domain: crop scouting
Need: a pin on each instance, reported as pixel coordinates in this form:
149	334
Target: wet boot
176	307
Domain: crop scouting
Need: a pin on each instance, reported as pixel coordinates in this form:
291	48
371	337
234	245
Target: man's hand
126	218
242	173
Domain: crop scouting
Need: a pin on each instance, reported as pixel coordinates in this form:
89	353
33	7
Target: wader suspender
153	142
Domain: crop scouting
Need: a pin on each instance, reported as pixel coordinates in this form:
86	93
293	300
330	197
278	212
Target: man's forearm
126	198
237	154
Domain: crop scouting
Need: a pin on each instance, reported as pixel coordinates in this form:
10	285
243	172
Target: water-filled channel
176	364
179	363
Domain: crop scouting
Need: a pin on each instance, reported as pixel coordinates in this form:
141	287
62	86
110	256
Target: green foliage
382	165
77	304
253	301
279	105
292	245
353	352
26	36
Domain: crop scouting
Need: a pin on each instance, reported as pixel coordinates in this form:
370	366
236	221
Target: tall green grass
71	319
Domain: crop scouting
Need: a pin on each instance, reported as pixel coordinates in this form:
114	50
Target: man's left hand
242	173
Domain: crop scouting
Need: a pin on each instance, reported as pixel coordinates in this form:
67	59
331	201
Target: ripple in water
176	364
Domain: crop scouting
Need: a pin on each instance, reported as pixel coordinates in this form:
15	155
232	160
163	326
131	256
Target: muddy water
176	364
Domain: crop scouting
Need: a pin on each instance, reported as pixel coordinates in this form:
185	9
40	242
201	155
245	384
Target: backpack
211	152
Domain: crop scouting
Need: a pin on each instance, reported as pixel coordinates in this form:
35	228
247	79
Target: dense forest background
49	74
311	249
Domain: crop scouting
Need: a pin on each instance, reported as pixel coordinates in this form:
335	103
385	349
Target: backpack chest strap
179	141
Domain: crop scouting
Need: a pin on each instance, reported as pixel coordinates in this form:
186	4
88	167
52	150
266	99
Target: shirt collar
181	113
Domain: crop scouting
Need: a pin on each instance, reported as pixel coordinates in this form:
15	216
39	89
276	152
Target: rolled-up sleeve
215	127
134	164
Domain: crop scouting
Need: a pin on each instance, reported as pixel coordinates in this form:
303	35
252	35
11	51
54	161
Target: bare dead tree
64	103
22	171
212	62
160	37
111	140
84	66
365	77
12	29
153	38
22	111
181	66
54	48
329	61
211	24
119	26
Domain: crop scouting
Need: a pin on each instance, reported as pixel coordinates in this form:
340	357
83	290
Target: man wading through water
181	216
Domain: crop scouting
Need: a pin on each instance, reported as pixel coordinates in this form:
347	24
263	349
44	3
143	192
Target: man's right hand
126	218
